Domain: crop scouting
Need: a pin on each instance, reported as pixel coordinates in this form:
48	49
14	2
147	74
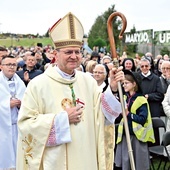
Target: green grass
156	163
25	42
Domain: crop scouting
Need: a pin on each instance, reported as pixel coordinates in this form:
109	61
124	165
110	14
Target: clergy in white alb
9	90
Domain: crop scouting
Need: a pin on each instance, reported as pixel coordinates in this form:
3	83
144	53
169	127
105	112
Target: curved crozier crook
114	55
110	31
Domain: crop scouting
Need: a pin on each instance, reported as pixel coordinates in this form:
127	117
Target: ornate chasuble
41	104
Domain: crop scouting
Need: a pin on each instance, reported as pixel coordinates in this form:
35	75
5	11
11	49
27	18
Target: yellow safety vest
143	133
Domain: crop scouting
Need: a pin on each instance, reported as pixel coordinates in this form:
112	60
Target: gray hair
145	60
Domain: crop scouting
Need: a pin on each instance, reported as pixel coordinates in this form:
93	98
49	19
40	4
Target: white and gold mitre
67	31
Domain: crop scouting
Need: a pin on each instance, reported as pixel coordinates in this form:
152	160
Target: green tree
47	33
164	51
99	29
100	43
37	35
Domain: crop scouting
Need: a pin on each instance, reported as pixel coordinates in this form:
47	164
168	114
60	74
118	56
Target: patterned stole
73	94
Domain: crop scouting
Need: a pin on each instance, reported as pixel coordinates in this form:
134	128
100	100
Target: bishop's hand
74	114
116	75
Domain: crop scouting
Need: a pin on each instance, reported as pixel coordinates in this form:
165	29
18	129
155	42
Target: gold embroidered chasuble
90	137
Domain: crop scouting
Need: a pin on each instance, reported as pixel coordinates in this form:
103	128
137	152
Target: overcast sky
37	16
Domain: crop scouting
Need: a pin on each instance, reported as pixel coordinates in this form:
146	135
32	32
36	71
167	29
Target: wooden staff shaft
114	56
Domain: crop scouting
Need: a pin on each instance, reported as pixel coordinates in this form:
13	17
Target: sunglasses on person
142	66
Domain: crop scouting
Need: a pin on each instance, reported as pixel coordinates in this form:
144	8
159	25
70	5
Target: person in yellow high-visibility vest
139	123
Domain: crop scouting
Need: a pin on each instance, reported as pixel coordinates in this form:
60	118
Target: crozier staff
115	59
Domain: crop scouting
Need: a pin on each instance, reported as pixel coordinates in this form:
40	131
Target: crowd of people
59	104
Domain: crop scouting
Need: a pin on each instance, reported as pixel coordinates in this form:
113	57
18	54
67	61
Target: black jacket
152	86
33	73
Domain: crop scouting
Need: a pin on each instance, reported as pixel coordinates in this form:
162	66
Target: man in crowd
29	69
64	117
12	89
3	52
100	74
152	90
151	87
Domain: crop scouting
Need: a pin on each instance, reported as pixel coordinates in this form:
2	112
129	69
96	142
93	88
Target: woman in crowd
128	64
90	66
158	70
139	123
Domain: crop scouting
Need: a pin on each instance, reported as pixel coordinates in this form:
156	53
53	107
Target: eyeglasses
126	83
98	72
165	68
10	65
70	52
142	66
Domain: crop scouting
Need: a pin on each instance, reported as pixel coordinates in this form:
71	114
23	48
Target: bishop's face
68	59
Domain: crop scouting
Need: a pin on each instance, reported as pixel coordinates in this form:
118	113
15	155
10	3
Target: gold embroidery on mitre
66	103
67	43
28	144
72	29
